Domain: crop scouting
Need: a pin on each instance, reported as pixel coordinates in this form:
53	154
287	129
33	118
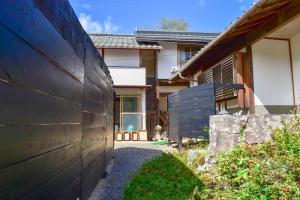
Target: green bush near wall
263	171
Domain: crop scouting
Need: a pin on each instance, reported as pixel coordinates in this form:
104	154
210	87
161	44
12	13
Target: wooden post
248	80
238	66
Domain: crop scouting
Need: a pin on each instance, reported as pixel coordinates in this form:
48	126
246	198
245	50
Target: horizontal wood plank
19	143
23	106
32	17
31	70
19	179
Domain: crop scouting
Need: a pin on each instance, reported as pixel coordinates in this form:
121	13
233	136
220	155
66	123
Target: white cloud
92	26
89	24
109	27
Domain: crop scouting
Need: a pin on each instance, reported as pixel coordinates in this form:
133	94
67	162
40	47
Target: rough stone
226	131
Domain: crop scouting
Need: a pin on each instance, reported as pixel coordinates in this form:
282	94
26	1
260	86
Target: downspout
292	76
185	78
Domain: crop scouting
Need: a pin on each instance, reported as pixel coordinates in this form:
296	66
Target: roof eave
218	38
135	48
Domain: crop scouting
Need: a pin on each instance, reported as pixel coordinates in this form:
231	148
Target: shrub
264	171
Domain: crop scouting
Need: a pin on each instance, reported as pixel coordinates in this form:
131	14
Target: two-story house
140	65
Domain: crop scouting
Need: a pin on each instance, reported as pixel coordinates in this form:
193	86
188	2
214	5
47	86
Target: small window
187	52
129	111
131	104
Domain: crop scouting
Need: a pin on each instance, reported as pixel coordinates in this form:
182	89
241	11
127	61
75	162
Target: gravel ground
128	157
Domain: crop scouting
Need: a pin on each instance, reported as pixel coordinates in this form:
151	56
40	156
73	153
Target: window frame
190	46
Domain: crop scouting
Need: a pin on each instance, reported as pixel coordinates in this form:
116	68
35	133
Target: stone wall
227	131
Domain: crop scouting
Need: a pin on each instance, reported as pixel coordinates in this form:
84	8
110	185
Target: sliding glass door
130	113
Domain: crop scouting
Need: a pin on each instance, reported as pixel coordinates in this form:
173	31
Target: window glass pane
131	122
185	54
117	113
131	104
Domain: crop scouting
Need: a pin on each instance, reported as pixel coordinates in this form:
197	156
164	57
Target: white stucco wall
272	73
166	59
170	89
128	76
122	57
138	92
295	46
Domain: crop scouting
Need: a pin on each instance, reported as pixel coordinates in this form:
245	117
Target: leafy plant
265	171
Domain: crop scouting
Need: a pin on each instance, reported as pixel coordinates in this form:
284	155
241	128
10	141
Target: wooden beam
280	19
238	66
248	80
226	47
177	83
132	86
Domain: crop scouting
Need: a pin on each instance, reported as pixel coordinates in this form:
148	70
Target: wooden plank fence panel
24	19
57	186
56	103
34	71
20	105
21	178
19	143
189	111
91	175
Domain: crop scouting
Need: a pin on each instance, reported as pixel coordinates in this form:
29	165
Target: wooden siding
56	103
223	72
189	111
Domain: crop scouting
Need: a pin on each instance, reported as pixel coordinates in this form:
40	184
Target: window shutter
223	72
228	77
205	77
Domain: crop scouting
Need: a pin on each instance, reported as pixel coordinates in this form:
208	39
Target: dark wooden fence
189	110
56	103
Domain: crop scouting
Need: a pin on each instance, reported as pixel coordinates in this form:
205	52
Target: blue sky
124	16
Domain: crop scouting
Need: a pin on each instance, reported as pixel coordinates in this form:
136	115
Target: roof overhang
261	19
120	41
175	36
132	86
141	47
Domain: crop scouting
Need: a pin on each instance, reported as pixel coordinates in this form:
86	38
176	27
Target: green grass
260	172
164	178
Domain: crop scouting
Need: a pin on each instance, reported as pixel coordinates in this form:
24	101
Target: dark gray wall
189	111
56	103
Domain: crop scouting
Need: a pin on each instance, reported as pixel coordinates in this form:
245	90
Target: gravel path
128	157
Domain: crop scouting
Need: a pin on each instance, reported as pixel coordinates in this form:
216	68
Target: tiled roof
175	36
120	41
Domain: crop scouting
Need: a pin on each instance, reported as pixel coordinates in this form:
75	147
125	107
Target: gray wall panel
189	111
